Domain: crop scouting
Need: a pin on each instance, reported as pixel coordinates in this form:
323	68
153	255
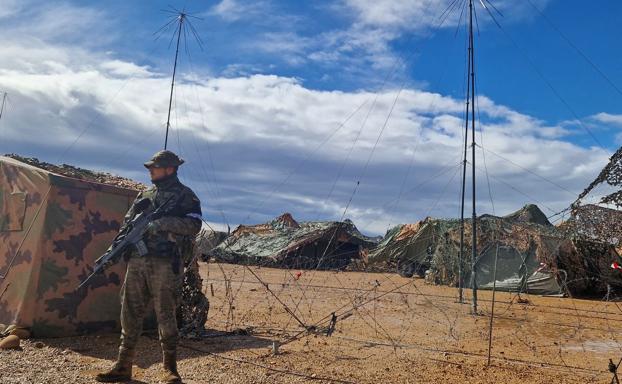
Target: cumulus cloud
259	145
244	136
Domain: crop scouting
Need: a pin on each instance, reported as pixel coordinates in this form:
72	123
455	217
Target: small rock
22	333
10	342
39	344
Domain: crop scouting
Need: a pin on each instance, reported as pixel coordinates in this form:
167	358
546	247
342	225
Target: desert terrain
385	328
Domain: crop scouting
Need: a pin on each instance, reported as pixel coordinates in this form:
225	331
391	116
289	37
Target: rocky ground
387	329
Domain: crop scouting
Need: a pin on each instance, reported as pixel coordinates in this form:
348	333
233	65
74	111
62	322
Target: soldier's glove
153	228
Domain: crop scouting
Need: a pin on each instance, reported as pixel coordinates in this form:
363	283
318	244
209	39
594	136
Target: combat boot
121	370
169	358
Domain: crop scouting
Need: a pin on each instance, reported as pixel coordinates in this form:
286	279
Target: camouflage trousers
150	278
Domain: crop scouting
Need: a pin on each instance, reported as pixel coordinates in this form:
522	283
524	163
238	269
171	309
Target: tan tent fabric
52	228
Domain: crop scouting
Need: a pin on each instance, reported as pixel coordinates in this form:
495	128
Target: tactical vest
170	244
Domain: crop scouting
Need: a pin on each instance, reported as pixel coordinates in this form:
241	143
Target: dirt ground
386	329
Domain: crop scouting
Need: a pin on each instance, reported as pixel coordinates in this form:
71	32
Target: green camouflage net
194	306
531	256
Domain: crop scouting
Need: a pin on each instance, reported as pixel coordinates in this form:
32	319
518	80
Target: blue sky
258	111
240	35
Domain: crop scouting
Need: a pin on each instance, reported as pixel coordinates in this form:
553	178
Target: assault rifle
131	235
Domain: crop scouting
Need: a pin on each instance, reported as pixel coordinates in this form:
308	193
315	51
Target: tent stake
275	347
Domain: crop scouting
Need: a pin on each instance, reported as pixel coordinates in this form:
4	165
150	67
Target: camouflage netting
610	176
595	222
52	229
194	304
531	257
81	173
285	243
206	241
601	220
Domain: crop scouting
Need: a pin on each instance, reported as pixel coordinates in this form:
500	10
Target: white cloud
608	118
423	15
9	8
364	45
125	69
257	145
258	127
258	11
55	21
411	15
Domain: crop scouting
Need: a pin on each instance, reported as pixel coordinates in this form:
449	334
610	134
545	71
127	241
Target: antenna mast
469	118
474	218
180	20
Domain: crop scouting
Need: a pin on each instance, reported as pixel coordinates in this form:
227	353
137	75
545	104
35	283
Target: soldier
159	274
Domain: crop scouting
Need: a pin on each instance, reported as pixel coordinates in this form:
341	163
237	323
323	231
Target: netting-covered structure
207	239
52	228
595	222
285	243
532	255
596	213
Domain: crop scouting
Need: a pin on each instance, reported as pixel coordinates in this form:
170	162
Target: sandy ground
386	329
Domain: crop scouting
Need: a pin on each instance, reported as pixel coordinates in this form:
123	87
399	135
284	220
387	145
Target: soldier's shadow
148	351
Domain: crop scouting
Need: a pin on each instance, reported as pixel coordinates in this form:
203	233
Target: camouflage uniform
159	274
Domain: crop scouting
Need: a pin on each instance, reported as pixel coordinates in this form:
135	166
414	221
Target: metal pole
492	309
474	218
182	17
464	167
3	103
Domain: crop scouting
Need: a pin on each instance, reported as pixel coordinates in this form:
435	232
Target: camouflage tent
207	239
284	242
601	219
533	256
52	229
595	222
